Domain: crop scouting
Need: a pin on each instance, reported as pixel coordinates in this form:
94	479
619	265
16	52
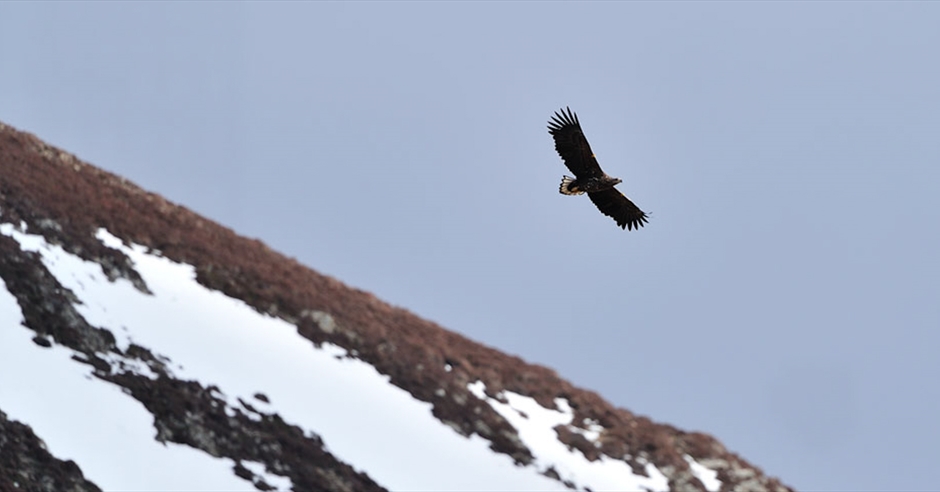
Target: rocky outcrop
26	465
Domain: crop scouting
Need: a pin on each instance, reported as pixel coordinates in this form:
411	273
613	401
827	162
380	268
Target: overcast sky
785	296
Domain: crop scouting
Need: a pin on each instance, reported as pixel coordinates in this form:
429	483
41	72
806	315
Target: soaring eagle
574	149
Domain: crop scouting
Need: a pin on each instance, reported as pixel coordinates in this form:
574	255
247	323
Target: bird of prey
574	149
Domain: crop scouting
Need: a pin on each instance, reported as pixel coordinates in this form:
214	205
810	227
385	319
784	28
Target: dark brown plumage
574	149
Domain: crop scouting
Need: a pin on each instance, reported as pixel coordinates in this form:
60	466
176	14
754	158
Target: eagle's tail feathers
569	186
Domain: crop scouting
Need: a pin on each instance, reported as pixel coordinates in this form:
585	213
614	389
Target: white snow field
211	338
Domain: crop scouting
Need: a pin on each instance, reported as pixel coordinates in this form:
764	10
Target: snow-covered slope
145	348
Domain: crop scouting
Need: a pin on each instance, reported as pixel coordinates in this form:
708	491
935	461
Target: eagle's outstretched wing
615	205
572	146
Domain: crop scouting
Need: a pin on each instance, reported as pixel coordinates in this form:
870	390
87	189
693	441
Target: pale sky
785	296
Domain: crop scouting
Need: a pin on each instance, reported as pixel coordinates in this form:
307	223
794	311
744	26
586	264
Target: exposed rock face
26	465
67	200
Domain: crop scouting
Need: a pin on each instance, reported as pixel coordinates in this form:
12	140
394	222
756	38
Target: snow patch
536	424
707	476
92	422
222	342
281	484
124	365
591	430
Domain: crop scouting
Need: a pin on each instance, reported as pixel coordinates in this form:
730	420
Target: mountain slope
289	380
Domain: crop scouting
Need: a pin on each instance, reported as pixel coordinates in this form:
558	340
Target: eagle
574	149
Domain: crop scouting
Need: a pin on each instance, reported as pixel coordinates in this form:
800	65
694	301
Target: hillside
86	256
